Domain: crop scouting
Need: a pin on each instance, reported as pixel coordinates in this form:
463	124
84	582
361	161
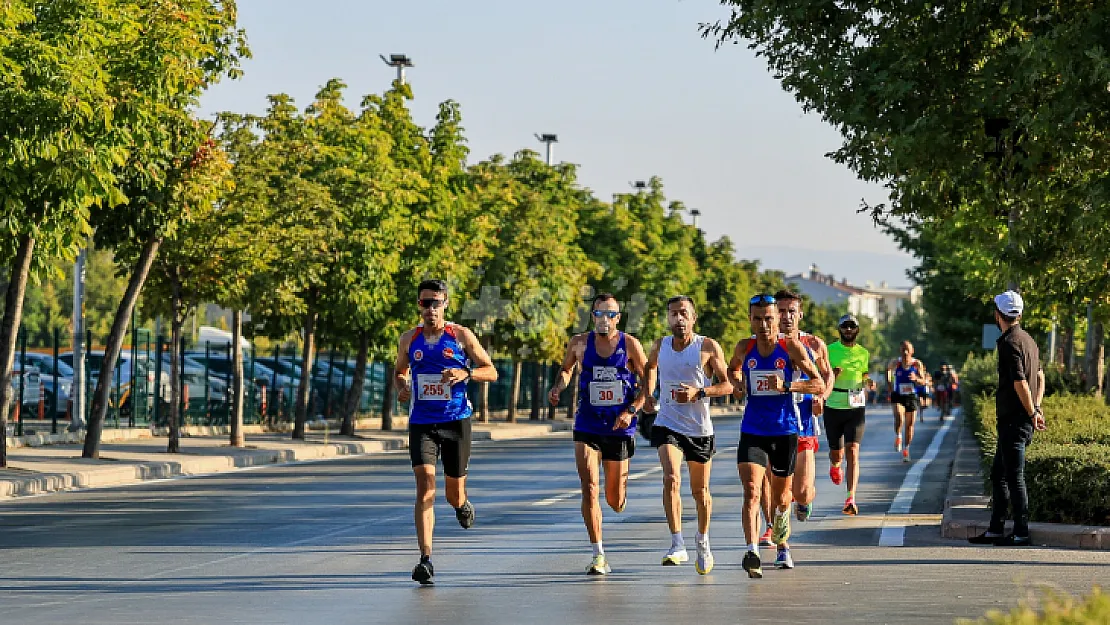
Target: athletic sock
598	549
703	539
851	495
836	465
754	548
677	540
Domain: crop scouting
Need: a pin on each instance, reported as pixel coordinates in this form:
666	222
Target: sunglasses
433	303
850	326
612	314
761	299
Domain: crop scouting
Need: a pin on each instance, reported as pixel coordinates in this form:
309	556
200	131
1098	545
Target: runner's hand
553	395
454	376
650	406
405	394
818	406
837	371
623	421
685	394
777	384
1038	423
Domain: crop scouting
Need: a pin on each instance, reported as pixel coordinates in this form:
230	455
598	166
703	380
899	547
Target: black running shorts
909	402
451	440
779	453
844	426
616	448
694	448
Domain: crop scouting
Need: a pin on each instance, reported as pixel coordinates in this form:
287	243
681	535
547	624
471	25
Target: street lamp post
695	213
400	61
549	140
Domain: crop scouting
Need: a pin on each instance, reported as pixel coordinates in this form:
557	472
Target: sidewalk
967	509
134	456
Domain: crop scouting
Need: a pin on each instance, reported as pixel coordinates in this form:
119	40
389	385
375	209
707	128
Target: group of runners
791	380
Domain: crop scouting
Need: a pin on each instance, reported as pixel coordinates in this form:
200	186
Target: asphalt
333	542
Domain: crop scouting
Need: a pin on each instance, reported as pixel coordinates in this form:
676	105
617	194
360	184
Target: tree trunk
177	320
237	439
305	387
9	329
387	399
1095	352
537	390
358	380
514	395
1067	343
111	350
483	389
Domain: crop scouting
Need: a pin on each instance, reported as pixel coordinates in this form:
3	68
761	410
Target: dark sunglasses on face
849	326
612	314
761	299
432	303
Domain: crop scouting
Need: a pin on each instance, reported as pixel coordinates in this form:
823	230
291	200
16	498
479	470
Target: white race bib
857	399
761	386
905	388
607	393
431	387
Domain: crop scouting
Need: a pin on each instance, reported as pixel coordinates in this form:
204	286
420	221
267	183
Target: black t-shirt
1018	359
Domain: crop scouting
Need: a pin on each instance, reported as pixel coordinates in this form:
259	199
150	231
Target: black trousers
1008	478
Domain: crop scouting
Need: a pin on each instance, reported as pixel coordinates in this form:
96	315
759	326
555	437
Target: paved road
332	542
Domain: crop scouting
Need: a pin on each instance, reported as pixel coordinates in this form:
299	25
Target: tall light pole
695	213
400	61
77	417
548	140
639	185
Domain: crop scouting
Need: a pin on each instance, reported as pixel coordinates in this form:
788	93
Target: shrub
1094	609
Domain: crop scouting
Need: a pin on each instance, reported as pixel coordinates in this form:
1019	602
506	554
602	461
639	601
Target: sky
629	86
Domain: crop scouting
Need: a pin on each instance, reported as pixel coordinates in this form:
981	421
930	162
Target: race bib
670	392
431	387
857	399
761	385
607	393
906	388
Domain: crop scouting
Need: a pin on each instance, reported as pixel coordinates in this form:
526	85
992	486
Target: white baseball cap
1009	303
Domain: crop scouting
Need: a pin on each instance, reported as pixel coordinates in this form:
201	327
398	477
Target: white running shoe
599	565
704	561
676	556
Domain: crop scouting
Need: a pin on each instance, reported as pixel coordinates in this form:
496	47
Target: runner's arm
401	367
735	372
484	371
570	363
717	369
815	385
637	362
651	374
825	367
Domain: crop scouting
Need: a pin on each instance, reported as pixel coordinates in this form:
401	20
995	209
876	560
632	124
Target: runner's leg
670	457
425	515
616	484
587	460
699	487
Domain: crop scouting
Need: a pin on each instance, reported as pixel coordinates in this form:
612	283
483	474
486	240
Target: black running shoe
752	565
465	515
424	572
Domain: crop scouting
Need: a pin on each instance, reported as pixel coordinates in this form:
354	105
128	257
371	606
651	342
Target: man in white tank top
684	364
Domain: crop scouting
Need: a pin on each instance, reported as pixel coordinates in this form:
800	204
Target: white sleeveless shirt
676	368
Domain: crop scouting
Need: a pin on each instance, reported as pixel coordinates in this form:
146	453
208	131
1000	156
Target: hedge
1067	468
1094	609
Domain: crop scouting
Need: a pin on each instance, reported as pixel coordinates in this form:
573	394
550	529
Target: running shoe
780	529
704	561
465	515
676	556
765	539
1013	540
752	565
599	566
784	561
850	507
802	511
424	573
836	474
906	455
897	443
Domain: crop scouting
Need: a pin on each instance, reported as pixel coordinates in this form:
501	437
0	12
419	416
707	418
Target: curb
967	510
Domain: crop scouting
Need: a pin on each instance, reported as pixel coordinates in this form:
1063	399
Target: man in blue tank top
765	368
904	373
605	421
442	357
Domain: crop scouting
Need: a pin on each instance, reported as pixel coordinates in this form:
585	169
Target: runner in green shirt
846	408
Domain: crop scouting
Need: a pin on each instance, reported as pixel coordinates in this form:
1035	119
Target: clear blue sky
629	86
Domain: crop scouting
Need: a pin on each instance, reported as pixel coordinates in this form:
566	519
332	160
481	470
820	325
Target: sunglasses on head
612	314
432	303
761	299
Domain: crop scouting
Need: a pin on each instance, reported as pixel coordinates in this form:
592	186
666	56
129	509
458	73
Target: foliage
1054	609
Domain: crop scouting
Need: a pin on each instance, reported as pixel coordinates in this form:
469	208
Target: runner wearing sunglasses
768	369
442	358
846	412
611	364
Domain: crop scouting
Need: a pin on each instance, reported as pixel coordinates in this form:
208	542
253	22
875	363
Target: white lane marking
894	534
570	494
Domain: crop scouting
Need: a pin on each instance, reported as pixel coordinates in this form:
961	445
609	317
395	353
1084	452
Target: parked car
32	390
219	364
47	367
144	370
194	379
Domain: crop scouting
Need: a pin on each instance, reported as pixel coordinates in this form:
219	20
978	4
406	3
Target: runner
605	422
763	368
948	385
442	357
684	363
924	390
846	412
904	374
